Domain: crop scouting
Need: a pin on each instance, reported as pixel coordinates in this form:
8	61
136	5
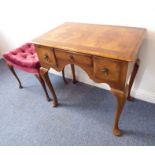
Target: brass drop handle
105	71
46	57
71	57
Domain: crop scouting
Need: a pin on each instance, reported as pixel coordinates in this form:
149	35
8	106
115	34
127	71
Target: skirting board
136	93
143	95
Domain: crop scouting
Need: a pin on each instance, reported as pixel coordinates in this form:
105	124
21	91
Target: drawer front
46	56
72	57
107	69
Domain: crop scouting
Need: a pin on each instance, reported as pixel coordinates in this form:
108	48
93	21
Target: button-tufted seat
25	58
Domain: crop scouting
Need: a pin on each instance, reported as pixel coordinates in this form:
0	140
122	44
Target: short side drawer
107	69
46	56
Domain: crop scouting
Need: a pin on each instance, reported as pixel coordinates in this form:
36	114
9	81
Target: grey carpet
84	117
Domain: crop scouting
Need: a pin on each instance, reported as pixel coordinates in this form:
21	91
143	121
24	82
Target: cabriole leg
63	76
121	98
132	78
43	86
73	73
44	75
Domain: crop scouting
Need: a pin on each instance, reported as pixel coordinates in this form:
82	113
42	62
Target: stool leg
63	76
73	73
43	86
14	73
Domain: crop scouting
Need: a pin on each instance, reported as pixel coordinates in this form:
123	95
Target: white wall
23	20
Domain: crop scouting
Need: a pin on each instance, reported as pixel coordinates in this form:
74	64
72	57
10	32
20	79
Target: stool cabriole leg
15	75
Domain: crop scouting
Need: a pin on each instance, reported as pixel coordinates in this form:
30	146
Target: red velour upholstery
24	58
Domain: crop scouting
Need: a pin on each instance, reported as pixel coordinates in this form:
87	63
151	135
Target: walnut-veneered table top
117	42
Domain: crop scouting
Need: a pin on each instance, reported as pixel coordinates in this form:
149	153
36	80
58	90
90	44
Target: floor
84	117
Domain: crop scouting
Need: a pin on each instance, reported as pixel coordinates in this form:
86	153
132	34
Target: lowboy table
108	54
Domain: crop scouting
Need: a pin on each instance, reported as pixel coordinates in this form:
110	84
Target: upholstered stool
26	59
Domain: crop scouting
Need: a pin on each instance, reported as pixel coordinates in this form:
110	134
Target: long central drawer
73	57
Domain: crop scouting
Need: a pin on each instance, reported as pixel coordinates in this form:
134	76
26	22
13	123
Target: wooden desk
108	54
